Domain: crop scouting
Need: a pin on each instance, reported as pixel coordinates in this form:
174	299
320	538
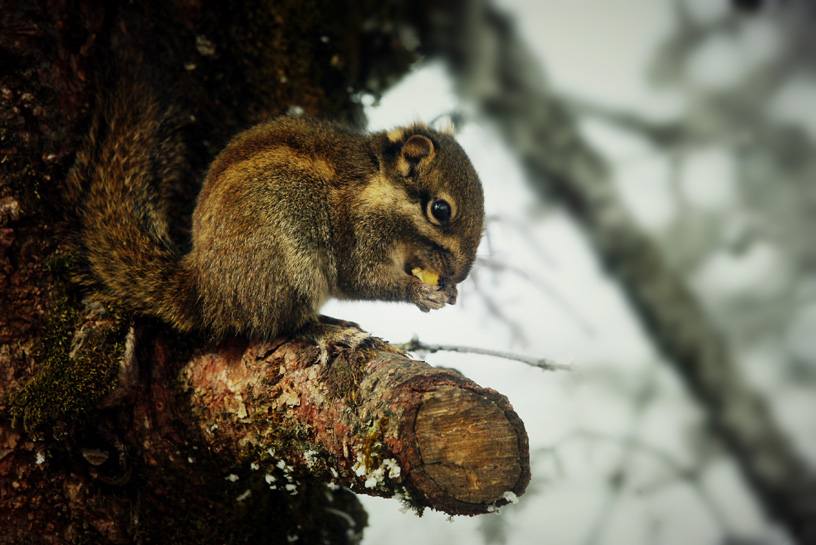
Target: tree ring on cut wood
471	448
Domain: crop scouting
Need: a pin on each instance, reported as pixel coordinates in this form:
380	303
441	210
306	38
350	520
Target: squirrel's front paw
451	292
427	296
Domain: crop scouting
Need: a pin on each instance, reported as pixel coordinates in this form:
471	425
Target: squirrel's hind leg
333	336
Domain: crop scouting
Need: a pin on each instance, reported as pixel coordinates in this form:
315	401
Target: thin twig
544	287
415	345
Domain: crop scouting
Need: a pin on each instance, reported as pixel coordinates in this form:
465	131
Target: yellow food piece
427	277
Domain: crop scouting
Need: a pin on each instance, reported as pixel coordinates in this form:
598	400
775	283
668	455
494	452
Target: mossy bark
368	419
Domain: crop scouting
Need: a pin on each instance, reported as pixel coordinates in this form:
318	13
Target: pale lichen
376	474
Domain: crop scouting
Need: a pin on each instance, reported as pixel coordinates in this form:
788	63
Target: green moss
373	442
60	263
408	502
67	386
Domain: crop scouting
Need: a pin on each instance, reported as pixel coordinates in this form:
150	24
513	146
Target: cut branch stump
372	420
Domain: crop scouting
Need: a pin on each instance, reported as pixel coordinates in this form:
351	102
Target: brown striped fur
293	211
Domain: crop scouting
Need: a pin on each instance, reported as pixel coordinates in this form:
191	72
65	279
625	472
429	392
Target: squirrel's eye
440	211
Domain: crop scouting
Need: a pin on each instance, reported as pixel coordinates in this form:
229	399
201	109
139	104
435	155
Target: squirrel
291	212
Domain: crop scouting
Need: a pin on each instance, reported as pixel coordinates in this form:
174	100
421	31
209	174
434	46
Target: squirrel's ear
416	150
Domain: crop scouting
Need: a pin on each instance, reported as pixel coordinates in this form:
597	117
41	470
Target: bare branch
369	419
415	345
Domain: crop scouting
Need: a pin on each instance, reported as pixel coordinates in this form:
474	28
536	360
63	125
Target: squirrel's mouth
437	272
414	264
411	264
429	276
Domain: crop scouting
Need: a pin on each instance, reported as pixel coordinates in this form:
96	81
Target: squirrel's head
442	219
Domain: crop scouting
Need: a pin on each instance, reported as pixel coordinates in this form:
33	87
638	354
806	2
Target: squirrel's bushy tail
119	191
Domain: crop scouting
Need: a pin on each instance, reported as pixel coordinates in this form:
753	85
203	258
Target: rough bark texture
371	420
496	71
109	433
